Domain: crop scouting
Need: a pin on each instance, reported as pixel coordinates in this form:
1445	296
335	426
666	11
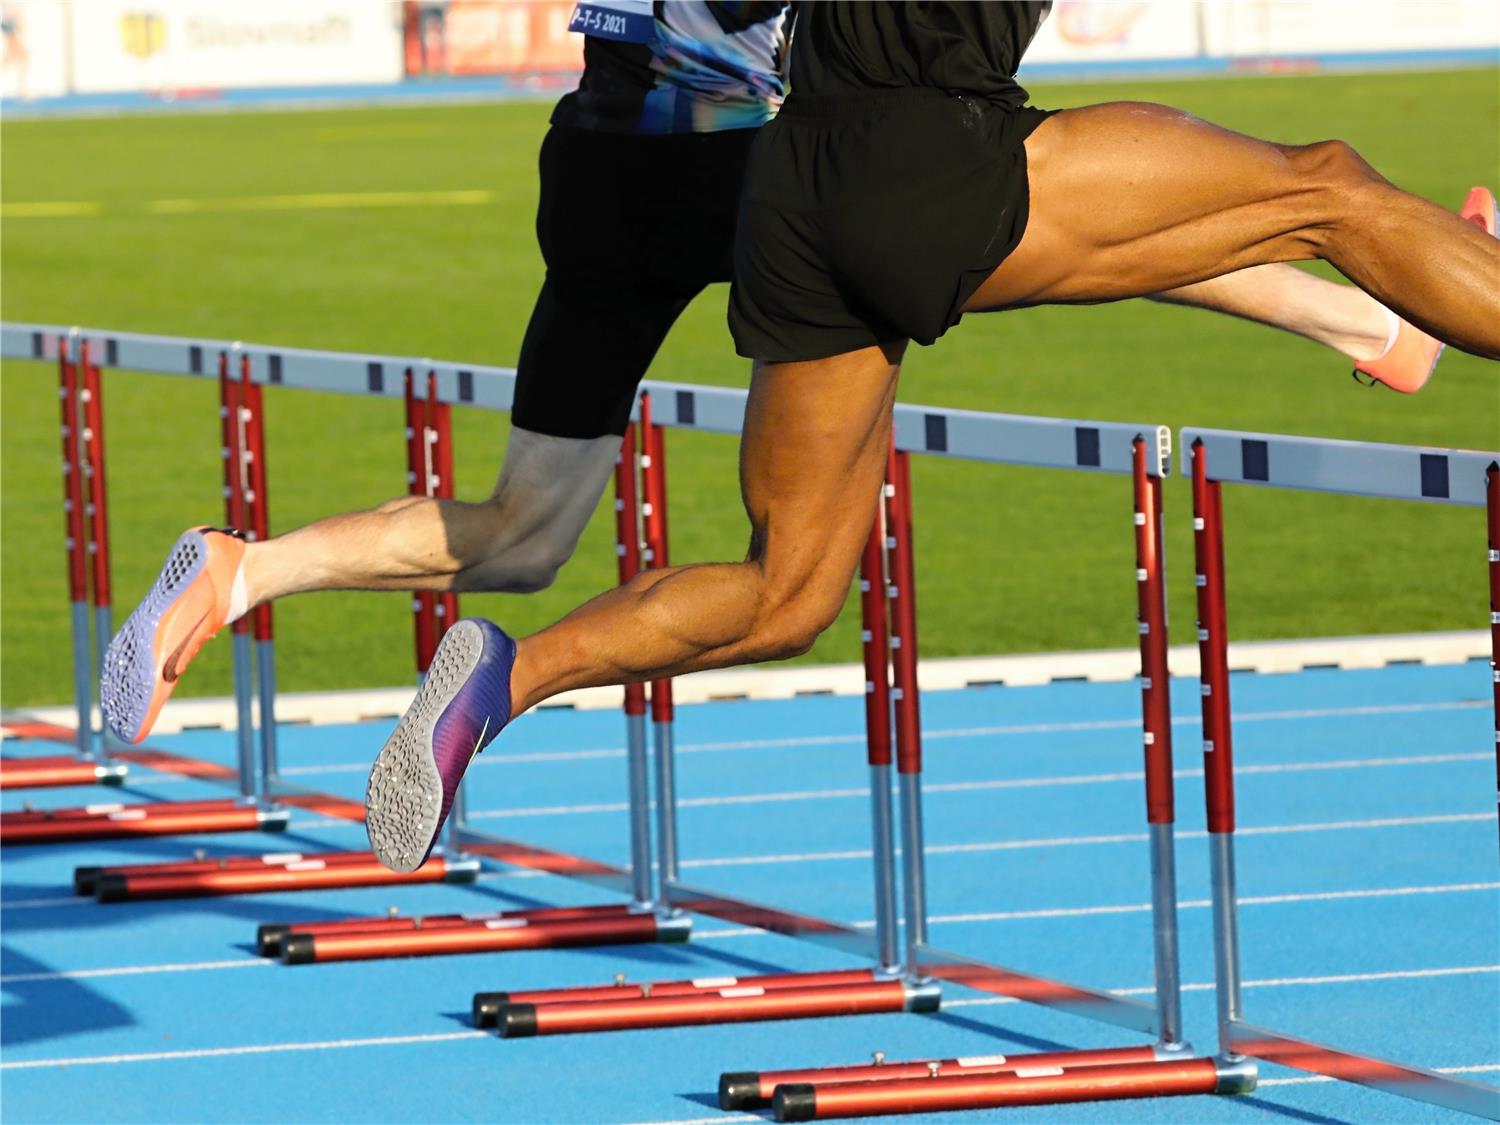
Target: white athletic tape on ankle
1393	330
239	599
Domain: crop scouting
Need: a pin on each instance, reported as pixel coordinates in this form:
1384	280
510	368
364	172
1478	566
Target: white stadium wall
163	48
1249	28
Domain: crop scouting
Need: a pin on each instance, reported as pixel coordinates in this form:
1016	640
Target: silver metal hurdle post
637	757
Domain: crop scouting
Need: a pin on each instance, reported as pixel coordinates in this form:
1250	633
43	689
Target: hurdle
1319	465
429	449
1164	1068
776	996
88	549
82	450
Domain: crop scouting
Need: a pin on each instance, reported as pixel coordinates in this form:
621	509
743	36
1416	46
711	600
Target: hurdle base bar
114	821
488	1005
310	873
749	1089
270	935
1040	1085
494	935
86	879
745	1003
1446	1090
64	769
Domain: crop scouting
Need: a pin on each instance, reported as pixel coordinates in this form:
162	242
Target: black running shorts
872	218
631	228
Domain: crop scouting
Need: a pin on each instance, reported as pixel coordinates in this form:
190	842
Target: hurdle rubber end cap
739	1089
269	936
487	1007
516	1021
85	879
109	886
796	1102
299	949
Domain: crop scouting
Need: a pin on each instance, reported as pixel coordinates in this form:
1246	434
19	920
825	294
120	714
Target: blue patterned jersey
677	66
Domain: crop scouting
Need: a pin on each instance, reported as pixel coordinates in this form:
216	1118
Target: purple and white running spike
461	706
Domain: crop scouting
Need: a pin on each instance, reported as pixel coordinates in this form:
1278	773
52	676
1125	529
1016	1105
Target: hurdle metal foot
115	821
518	930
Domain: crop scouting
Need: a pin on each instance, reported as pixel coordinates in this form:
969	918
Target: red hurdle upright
87	542
1163	1068
430	456
1446	476
716	1000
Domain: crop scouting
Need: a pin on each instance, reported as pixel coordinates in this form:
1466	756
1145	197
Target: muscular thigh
1131	198
811	462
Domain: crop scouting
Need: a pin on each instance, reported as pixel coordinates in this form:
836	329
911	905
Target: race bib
626	21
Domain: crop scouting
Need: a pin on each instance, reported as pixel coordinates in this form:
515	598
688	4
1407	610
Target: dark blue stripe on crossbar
375	377
112	353
273	367
1086	446
936	437
466	386
1255	460
38	345
1435	476
687	408
195	359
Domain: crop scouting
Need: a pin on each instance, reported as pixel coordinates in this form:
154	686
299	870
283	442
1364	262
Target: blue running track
1368	878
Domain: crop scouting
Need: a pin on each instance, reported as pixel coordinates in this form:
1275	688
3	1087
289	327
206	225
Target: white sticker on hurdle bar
739	993
278	858
130	814
100	810
306	865
507	923
982	1060
1038	1071
1395	472
716	982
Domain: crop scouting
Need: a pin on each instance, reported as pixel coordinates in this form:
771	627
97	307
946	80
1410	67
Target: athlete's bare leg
1189	201
1342	317
811	462
513	542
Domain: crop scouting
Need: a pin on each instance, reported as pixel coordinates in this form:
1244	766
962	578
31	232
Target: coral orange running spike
1480	209
1409	363
188	604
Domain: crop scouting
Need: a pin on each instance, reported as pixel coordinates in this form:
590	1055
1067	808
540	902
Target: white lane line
1270	982
258	1049
326	201
939	919
452	1036
135	970
492	760
1145	907
863	793
1477	1068
935	849
1091	841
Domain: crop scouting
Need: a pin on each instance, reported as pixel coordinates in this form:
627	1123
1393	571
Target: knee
1334	166
517	560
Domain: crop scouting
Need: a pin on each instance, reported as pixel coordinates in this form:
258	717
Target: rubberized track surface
1368	881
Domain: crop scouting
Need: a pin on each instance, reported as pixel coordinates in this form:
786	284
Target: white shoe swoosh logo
479	742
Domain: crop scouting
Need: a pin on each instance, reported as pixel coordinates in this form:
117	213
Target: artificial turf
1010	560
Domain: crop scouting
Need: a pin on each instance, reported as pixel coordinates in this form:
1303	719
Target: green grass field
1010	560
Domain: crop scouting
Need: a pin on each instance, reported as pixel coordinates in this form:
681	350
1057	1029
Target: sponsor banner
490	37
1095	31
34	53
185	45
1238	28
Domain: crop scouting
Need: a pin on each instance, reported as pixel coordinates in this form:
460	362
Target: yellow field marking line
57	209
330	201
